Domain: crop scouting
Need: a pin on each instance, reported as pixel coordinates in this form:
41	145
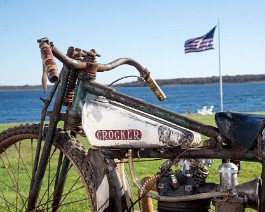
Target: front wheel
17	154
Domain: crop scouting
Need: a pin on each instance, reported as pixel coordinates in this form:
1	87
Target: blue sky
152	32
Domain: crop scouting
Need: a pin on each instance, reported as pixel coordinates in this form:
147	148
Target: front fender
112	193
104	196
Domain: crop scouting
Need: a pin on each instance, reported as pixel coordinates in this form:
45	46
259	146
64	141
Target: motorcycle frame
88	90
236	153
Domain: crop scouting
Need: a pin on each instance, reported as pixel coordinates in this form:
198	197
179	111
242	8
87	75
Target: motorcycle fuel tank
111	124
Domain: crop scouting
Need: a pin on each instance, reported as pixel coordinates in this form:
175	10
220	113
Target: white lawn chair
202	111
209	111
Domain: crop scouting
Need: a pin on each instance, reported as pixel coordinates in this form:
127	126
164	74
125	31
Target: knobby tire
17	151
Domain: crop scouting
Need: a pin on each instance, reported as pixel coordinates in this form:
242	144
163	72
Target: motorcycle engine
187	181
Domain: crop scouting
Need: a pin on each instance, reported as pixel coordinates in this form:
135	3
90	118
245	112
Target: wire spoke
7	170
43	204
49	199
77	201
32	164
18	193
74	190
9	165
11	188
51	180
24	204
19	153
12	177
5	199
9	203
70	190
14	183
67	203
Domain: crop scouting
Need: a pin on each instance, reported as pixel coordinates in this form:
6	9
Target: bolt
232	193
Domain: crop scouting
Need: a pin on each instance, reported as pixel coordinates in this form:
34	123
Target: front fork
40	165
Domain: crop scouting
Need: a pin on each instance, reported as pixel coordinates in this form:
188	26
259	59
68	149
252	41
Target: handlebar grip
155	88
49	65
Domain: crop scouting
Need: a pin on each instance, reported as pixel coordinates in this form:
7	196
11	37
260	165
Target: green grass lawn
248	171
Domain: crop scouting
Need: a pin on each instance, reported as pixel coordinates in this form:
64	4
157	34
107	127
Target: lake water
25	106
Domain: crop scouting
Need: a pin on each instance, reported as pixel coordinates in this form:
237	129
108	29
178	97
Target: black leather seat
240	127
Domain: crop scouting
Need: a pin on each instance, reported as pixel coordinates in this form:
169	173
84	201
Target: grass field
248	171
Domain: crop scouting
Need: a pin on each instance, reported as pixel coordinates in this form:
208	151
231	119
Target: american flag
200	44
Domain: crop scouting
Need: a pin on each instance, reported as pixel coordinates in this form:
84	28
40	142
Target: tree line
167	82
200	80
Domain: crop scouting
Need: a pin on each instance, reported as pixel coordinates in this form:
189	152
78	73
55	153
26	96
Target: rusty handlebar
93	68
50	70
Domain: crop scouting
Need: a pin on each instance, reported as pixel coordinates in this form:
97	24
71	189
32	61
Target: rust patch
180	138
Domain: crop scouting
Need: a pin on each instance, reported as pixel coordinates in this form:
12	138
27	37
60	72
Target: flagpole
220	72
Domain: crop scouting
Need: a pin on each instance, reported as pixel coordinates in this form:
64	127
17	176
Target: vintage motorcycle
60	174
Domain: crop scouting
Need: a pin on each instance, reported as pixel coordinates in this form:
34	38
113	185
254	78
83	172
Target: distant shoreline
201	81
18	89
22	87
165	82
